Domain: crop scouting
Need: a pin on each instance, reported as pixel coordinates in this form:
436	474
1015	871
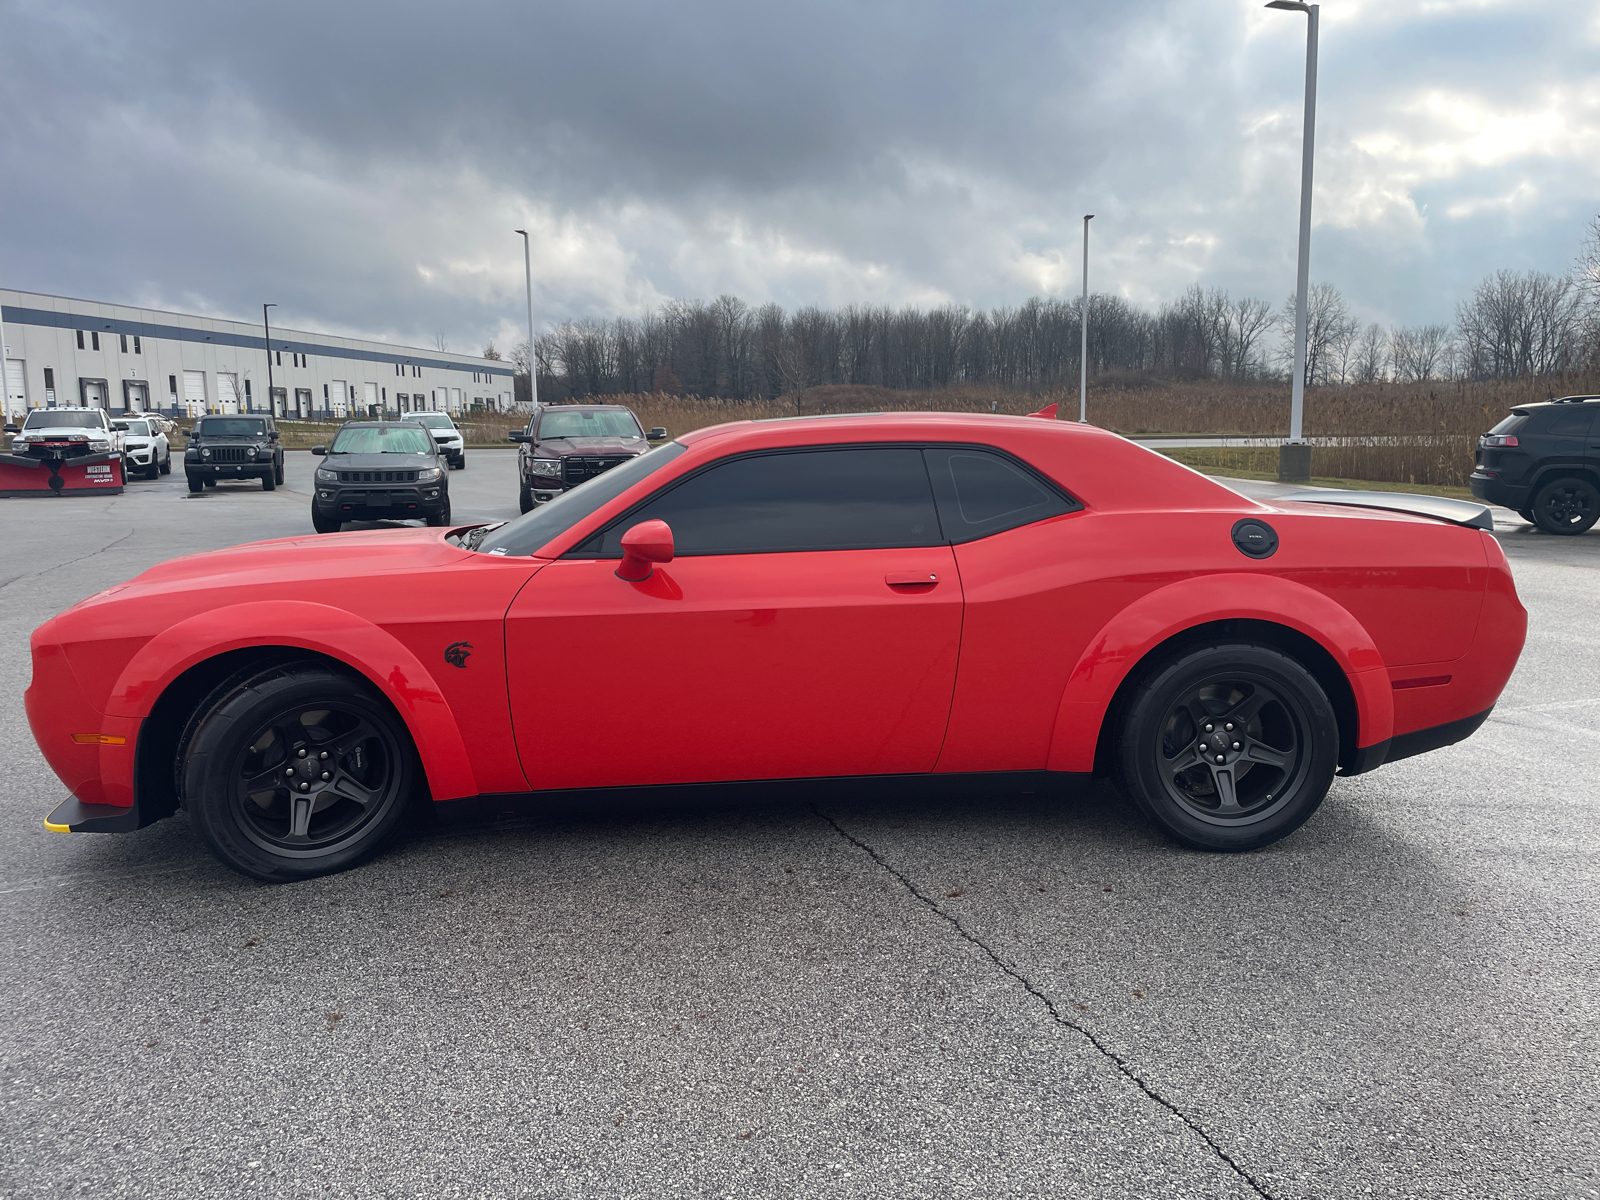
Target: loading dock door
339	390
302	403
16	386
135	395
227	392
194	392
94	392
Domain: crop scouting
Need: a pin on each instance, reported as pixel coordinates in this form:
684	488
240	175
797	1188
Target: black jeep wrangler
565	444
233	447
1544	461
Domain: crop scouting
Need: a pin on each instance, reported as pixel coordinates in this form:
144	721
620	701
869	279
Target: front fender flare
1125	639
334	632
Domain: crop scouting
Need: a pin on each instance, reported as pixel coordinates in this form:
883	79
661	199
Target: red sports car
910	595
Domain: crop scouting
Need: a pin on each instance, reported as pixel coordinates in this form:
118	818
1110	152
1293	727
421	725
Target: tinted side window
982	493
1573	423
855	499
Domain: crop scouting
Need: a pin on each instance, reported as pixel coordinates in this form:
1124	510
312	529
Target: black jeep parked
233	447
380	470
1544	461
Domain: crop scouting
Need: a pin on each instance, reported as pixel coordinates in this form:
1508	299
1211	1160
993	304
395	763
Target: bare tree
490	352
1420	352
1248	319
1330	330
1521	324
1370	357
440	342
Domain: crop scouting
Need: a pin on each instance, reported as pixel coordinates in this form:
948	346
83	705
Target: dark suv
565	444
1544	461
380	470
233	447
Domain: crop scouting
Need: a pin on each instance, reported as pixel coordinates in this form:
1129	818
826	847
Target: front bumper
74	816
406	502
209	470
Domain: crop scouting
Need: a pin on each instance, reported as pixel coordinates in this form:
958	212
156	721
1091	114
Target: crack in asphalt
1109	1054
57	566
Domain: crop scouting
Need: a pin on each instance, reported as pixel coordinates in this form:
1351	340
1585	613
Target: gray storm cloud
363	164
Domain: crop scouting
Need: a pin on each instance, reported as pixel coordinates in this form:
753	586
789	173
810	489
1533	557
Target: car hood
565	446
380	462
56	432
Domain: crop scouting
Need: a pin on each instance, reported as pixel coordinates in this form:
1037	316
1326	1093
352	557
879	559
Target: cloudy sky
363	164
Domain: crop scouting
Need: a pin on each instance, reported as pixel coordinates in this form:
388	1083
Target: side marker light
99	739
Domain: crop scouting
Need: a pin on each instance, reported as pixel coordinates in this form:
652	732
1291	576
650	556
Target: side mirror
319	449
12	429
273	435
647	543
658	434
120	425
516	435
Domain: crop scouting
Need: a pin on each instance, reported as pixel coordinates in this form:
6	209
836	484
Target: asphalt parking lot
1026	995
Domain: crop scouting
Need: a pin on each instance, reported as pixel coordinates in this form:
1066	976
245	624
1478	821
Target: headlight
428	473
546	466
327	475
206	453
99	445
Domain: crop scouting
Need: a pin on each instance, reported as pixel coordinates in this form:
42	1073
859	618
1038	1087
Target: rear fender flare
323	629
1124	641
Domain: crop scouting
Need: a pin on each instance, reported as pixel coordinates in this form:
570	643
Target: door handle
920	579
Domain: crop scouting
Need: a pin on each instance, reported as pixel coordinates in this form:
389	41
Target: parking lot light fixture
533	369
1294	457
266	326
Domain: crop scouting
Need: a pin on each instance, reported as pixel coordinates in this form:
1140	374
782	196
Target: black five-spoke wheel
1567	506
297	772
1229	747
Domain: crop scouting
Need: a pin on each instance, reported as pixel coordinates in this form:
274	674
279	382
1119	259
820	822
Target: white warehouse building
61	352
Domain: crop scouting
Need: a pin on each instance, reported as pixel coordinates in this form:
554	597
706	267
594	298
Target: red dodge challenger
909	595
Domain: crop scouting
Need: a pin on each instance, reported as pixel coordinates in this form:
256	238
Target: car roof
1542	404
544	408
1100	468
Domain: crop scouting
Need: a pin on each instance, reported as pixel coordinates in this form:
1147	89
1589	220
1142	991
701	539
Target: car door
808	626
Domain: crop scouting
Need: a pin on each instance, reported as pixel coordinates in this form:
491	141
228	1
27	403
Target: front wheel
196	485
324	524
1229	747
442	517
461	462
166	465
297	772
525	498
277	475
1566	506
269	481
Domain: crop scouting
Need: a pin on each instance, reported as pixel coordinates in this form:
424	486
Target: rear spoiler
1440	508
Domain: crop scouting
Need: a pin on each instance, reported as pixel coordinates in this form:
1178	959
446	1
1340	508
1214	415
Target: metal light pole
1083	352
533	362
1294	458
267	326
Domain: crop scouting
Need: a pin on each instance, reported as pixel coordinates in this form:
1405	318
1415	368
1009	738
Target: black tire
324	524
166	465
296	772
461	461
196	485
1568	505
525	498
277	475
269	482
1277	777
443	516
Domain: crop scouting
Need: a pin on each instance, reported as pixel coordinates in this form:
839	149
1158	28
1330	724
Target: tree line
1514	324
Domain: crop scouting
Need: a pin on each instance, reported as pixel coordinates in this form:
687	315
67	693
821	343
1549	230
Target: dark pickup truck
565	444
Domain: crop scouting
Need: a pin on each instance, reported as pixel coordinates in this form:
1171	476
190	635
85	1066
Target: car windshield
231	427
138	428
613	423
532	531
381	439
434	420
54	418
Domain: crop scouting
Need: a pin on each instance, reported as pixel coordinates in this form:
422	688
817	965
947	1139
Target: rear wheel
297	772
1568	505
1229	747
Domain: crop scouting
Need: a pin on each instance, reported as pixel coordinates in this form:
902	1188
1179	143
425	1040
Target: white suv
147	447
452	446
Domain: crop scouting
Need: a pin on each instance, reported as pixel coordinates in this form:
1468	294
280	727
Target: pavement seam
1110	1055
57	566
